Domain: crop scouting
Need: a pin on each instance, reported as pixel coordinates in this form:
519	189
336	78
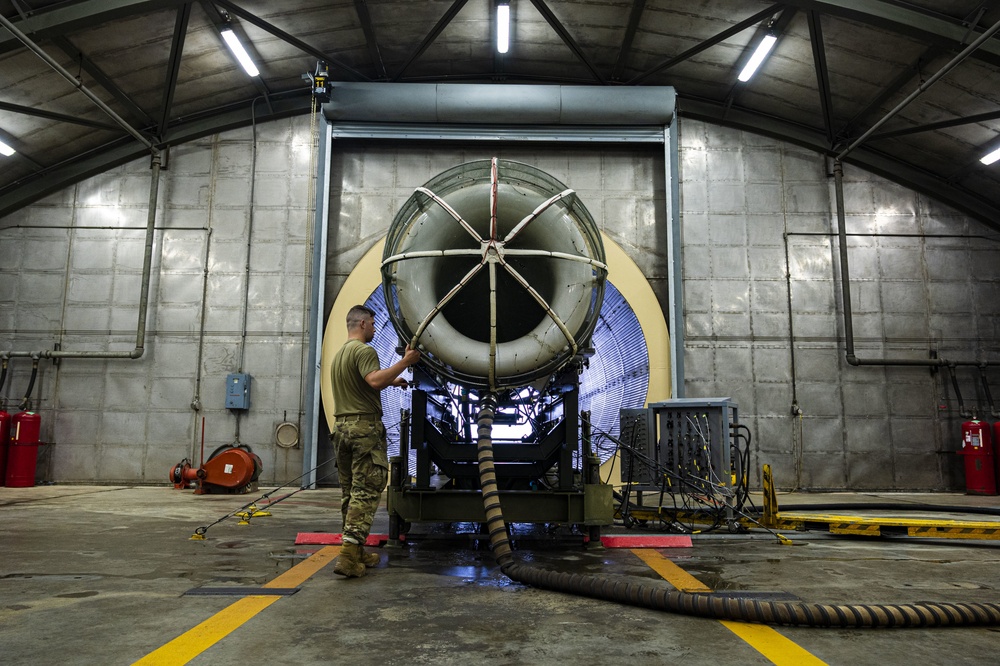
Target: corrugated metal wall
923	277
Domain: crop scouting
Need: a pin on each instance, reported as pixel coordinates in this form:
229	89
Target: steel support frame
593	506
638	6
58	117
567	38
923	25
431	36
78	16
174	65
822	73
317	308
709	43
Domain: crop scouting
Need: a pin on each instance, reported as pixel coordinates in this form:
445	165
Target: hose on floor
642	594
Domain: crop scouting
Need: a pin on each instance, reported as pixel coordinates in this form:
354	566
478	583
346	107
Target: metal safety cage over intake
496	271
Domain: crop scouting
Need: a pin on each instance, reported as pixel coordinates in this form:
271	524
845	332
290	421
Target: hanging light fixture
6	150
757	59
233	42
503	27
991	157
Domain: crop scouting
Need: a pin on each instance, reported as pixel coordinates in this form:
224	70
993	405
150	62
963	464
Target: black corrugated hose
924	614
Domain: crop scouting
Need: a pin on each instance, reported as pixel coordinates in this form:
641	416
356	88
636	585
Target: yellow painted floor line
191	643
764	639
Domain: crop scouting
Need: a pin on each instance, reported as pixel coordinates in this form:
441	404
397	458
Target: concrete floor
98	575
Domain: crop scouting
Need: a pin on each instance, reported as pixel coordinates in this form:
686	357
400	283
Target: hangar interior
817	245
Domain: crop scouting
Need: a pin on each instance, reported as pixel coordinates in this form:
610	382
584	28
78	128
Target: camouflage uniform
363	465
358	438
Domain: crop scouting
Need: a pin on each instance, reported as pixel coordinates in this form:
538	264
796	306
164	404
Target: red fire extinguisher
977	449
4	440
22	456
996	448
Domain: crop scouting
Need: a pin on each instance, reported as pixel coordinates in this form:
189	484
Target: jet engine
495	270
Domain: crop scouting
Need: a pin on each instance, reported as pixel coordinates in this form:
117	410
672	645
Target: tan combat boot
349	563
370	559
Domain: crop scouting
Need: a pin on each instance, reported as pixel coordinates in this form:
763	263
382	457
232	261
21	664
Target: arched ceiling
838	69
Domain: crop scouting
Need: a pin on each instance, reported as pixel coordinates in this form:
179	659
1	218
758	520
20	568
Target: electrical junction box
238	391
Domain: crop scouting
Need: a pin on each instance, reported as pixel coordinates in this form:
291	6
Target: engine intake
496	271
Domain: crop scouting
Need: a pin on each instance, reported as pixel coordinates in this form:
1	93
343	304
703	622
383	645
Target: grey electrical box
238	391
682	446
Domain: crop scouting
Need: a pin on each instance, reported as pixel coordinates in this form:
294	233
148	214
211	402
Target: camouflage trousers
363	466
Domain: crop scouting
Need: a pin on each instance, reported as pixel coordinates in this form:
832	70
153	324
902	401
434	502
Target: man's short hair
356	315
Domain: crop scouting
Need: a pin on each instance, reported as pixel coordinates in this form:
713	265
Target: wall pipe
962	411
31	384
982	377
845	286
4	362
147	262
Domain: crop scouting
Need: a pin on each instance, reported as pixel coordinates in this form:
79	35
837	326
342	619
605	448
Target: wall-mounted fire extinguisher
22	456
977	449
25	430
4	427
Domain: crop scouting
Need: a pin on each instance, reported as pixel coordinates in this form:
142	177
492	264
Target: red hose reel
231	471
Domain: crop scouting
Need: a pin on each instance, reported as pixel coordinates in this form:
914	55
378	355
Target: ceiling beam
709	43
431	36
944	124
365	17
58	117
134	112
822	73
919	180
847	132
633	25
567	38
933	28
77	16
174	65
54	178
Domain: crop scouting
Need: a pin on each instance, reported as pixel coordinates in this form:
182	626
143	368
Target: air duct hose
924	614
25	401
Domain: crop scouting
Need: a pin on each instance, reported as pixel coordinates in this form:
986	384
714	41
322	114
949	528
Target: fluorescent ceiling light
990	158
503	28
758	57
233	42
6	150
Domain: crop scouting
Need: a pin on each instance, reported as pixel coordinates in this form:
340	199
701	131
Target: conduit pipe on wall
962	411
31	384
982	376
845	286
147	262
151	219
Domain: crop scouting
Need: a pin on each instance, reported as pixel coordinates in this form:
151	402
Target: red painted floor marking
329	539
647	541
